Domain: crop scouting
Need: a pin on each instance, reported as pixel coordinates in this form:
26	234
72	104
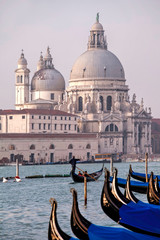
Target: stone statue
97	17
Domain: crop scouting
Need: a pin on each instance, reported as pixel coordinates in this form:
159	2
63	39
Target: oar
86	173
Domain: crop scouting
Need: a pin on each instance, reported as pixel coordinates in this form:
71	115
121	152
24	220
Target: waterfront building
37	121
43	148
96	100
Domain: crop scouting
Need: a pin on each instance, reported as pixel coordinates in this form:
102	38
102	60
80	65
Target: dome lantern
48	59
97	38
40	64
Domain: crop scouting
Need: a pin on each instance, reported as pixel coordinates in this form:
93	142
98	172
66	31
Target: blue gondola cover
132	183
112	233
145	218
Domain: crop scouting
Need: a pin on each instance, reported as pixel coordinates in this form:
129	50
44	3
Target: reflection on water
25	207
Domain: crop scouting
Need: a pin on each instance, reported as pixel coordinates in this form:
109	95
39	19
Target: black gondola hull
90	178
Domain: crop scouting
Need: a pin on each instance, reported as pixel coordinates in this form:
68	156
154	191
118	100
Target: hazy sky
132	28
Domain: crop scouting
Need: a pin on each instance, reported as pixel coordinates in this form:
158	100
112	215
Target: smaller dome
125	106
22	61
97	27
48	80
117	105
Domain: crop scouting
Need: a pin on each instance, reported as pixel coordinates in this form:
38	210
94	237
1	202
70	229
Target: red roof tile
36	112
45	135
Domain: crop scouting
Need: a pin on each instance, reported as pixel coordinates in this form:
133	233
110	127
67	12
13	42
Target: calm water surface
25	207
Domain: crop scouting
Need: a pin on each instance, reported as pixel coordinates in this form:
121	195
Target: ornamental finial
22	54
97	17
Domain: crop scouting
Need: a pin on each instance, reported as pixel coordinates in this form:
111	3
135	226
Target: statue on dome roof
97	17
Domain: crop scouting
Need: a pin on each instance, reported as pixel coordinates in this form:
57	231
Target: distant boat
5	180
90	177
141	176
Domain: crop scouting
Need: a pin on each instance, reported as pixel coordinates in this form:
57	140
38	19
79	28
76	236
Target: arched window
70	146
101	101
80	104
51	146
116	128
12	147
107	129
32	146
88	146
21	78
109	103
111	128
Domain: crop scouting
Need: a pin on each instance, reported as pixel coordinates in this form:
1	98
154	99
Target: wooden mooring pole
111	165
85	191
17	166
146	166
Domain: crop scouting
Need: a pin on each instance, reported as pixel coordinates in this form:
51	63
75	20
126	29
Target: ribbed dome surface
48	80
97	63
97	27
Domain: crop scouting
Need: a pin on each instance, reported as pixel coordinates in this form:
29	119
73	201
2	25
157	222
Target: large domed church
97	93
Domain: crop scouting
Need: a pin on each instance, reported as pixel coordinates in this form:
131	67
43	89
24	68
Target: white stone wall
47	95
111	144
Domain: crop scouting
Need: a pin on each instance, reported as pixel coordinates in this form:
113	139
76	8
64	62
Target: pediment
143	114
112	118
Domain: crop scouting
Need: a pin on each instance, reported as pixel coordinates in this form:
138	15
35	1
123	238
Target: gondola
86	230
54	230
136	186
153	195
140	176
140	219
89	176
128	195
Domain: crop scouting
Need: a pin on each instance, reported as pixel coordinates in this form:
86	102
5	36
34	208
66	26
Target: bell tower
22	83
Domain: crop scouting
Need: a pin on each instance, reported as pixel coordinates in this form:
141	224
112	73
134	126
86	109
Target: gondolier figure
73	162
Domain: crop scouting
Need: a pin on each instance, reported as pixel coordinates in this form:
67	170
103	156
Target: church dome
22	62
48	80
97	63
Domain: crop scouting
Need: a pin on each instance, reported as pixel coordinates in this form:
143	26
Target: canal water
25	207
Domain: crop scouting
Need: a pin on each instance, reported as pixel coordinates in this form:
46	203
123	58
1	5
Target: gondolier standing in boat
73	162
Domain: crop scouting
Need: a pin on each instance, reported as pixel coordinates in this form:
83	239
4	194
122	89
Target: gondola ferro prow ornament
54	231
79	224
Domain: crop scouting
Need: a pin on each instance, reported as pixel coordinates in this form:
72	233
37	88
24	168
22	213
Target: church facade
97	94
